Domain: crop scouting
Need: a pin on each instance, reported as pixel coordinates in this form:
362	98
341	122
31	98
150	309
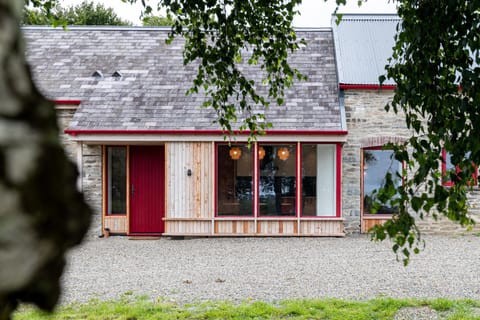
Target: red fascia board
74	132
66	102
367	86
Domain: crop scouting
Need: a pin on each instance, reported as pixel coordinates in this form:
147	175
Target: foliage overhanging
435	67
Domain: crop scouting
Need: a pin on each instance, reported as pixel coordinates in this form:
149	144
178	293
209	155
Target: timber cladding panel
190	185
192	228
369	223
116	224
238	227
324	228
279	227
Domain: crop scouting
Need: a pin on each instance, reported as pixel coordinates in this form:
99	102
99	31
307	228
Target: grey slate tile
151	92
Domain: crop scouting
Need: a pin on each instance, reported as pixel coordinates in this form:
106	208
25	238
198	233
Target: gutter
343	86
75	132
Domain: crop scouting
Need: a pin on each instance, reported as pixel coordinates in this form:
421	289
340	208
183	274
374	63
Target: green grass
142	308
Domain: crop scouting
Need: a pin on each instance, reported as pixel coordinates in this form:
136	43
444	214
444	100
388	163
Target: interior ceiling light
235	153
283	153
261	153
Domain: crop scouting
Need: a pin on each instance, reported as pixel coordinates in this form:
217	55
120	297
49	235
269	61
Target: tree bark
42	214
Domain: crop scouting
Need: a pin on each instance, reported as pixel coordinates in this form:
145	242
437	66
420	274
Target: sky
313	13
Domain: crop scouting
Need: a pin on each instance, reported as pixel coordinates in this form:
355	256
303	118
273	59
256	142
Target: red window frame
217	145
449	183
362	182
256	180
338	179
106	186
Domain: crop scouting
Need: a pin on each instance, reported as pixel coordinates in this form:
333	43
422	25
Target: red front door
147	186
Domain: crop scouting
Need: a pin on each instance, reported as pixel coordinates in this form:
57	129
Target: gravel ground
270	269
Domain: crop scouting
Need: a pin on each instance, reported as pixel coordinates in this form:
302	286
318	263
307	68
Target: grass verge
143	308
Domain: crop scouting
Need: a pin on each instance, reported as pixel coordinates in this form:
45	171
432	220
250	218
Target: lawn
139	308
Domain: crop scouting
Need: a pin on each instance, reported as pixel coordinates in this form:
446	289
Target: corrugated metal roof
150	94
363	43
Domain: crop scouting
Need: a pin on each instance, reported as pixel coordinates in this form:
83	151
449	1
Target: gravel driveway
270	269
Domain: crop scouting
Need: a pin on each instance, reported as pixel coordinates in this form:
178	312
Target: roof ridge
368	16
141	28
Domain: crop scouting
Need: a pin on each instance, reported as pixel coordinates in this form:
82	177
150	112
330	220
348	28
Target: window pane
318	180
117	176
277	183
376	164
234	181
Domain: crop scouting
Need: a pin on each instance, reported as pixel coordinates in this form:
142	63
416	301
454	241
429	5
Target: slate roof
363	43
150	94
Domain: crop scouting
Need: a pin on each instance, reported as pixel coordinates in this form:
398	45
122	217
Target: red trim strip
339	179
69	102
367	86
75	132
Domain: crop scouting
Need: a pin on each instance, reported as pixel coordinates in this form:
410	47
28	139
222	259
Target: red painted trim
255	183
295	144
362	182
298	181
339	180
75	132
107	214
450	183
376	148
68	102
343	86
444	169
215	187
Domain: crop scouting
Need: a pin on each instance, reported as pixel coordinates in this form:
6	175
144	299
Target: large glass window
116	180
277	179
235	182
318	180
266	184
376	164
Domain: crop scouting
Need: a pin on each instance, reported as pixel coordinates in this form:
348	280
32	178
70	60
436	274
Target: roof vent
117	74
97	74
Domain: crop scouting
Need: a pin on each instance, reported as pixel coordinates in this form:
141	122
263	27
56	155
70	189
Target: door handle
133	190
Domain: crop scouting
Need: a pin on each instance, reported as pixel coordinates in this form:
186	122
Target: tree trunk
42	214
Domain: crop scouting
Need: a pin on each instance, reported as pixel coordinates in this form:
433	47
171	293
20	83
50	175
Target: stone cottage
152	162
363	44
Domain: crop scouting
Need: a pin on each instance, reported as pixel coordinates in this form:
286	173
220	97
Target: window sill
325	218
370	216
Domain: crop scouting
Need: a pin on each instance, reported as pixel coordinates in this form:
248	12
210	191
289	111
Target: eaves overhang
158	136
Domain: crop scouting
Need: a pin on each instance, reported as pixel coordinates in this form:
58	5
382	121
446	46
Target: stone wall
367	121
370	125
90	169
64	117
92	184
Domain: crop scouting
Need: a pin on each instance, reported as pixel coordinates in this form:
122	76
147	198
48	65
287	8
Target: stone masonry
370	125
92	183
90	169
